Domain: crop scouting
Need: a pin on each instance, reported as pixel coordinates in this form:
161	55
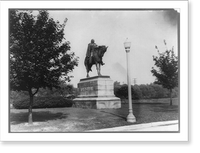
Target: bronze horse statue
96	59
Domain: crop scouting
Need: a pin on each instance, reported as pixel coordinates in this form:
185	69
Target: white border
182	136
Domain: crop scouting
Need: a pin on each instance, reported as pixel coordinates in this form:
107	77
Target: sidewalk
154	126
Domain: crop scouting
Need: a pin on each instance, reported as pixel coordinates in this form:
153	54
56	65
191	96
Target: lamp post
130	118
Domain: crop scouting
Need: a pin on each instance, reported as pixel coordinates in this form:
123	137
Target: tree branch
36	91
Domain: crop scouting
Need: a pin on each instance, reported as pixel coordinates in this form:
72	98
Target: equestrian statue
94	55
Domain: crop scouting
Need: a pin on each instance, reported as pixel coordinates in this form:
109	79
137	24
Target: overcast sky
144	28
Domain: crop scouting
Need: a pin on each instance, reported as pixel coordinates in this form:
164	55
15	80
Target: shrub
122	92
142	91
43	102
15	95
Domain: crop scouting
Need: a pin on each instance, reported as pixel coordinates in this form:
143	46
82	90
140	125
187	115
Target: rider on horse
90	51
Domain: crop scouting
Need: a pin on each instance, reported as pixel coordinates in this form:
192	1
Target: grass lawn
80	120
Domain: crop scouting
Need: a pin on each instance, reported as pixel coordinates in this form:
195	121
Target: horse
96	59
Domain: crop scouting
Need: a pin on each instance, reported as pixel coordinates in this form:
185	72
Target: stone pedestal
97	92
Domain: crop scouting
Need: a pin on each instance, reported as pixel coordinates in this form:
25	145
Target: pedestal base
98	102
98	93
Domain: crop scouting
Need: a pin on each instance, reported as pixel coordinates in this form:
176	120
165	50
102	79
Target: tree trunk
170	97
30	113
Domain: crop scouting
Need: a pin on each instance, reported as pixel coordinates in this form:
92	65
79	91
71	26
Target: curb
139	126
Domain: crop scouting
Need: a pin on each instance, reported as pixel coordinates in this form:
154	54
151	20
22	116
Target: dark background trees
45	98
143	91
39	54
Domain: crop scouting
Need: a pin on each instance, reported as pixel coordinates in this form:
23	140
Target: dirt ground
83	120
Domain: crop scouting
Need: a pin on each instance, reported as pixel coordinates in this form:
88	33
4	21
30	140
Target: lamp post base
131	118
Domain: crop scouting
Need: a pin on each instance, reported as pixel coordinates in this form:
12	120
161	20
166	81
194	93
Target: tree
65	90
39	56
167	72
122	92
137	92
160	92
116	87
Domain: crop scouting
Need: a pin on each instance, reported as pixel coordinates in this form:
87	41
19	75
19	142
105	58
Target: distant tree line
69	92
45	98
143	91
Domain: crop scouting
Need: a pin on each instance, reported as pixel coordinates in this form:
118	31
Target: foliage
64	90
137	94
44	102
16	95
167	72
122	92
39	56
116	87
143	91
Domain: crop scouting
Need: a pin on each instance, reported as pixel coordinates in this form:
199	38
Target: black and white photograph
94	70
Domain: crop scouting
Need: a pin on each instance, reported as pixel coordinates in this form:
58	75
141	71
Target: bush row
55	98
149	91
43	102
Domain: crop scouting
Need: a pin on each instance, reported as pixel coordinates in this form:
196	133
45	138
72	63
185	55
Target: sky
145	29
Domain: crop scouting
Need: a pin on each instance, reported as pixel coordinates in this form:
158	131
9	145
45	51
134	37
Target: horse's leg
98	69
87	73
87	70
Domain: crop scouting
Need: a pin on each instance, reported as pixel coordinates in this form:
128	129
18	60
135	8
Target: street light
130	118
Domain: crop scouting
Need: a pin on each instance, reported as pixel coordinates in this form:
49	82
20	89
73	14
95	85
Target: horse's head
102	50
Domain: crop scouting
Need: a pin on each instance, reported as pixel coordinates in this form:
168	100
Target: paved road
154	126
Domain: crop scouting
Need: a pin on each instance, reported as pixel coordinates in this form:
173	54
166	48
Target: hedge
151	91
43	102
